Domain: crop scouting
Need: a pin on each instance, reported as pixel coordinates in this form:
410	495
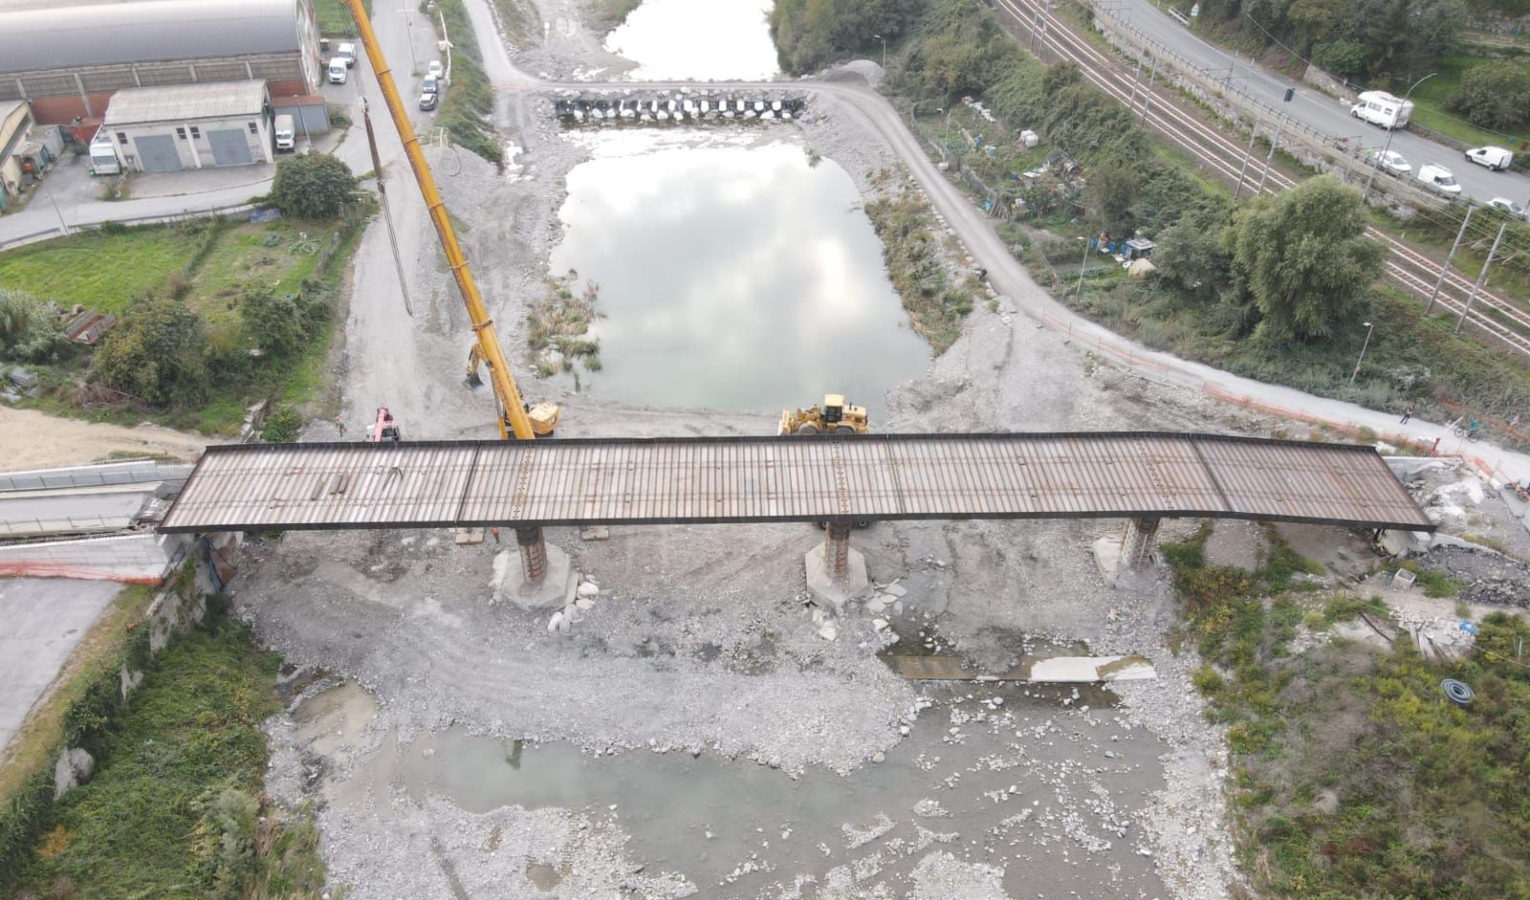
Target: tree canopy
811	33
1302	259
157	354
312	186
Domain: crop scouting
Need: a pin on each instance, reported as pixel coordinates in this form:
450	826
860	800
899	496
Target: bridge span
836	479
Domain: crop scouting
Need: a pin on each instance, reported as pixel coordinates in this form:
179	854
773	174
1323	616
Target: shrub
1495	95
281	426
312	186
158	354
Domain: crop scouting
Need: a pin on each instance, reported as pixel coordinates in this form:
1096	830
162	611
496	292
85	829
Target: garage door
230	148
157	153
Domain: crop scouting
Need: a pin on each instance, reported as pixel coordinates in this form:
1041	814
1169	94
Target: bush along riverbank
1352	776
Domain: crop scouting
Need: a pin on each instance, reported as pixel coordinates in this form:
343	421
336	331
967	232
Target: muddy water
1043	783
702	40
731	276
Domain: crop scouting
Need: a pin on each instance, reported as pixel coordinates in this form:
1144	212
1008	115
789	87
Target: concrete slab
44	621
826	589
1107	557
555	591
1038	669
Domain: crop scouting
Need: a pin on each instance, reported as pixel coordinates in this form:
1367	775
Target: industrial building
68	57
191	126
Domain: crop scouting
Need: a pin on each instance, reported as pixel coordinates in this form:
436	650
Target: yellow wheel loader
835	416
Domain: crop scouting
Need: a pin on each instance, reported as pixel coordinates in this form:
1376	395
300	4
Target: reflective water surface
702	40
732	276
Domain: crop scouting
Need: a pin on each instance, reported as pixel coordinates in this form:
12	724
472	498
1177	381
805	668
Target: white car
1496	158
435	70
1509	206
1389	161
1438	179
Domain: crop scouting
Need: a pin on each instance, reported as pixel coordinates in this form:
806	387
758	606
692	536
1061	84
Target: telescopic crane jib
516	417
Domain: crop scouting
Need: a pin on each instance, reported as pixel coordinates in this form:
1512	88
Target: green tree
158	354
1346	57
1108	193
312	186
1191	257
1494	95
1302	259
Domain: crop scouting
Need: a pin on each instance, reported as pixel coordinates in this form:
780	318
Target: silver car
1389	161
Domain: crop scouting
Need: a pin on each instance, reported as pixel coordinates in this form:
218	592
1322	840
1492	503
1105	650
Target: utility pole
1246	154
1446	267
1147	92
1481	278
1081	266
1268	160
1132	103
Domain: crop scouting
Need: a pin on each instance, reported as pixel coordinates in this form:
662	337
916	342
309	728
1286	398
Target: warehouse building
68	57
191	126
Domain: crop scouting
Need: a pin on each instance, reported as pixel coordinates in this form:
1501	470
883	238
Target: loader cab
385	429
833	409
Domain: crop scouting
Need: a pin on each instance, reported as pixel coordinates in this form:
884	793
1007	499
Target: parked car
286	134
431	85
337	71
1509	206
1389	161
347	52
428	101
1439	179
435	70
1496	158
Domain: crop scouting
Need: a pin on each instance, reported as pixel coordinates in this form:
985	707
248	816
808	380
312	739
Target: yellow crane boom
512	409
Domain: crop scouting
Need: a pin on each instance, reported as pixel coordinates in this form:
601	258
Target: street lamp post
1355	374
1376	163
884	50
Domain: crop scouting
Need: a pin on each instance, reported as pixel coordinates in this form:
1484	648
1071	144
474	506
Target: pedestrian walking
340	424
495	531
1407	414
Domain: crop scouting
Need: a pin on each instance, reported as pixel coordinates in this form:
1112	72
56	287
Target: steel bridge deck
788	479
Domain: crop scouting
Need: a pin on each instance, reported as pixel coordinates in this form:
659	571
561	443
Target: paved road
1311	106
44	621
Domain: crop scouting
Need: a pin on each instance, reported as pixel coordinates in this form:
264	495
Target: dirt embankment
34	440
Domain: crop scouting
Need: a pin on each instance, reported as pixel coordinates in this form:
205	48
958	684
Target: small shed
1138	248
191	126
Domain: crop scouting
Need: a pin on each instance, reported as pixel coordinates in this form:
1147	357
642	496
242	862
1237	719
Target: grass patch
935	303
172	811
518	19
1352	776
208	265
335	20
99	270
557	325
607	14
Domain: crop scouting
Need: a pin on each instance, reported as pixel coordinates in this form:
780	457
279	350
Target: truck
286	134
1383	109
1439	179
103	155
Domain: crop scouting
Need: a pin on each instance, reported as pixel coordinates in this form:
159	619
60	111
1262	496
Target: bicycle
1471	434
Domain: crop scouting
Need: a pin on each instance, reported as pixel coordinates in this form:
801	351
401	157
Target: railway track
1416	272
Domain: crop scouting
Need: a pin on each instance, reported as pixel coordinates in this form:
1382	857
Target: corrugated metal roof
186	102
772	479
76	35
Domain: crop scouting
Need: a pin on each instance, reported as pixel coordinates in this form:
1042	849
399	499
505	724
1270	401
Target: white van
103	155
1496	158
286	134
1381	108
347	52
337	71
1439	179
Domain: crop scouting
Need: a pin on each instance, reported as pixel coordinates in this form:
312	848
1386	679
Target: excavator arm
512	409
